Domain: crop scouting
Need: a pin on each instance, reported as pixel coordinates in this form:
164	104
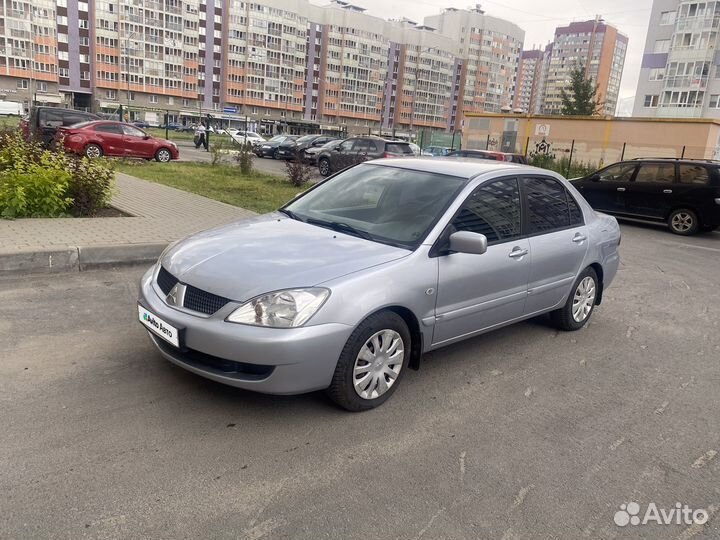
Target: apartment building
528	83
280	64
680	75
598	48
491	49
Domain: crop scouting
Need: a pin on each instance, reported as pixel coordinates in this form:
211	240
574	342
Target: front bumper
268	360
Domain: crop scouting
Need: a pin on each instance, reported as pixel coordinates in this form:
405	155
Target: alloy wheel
378	364
584	299
163	155
682	222
93	151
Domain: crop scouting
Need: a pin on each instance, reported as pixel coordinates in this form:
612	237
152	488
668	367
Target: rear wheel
580	304
163	155
324	167
683	222
372	362
93	151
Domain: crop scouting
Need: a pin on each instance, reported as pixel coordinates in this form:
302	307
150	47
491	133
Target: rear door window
656	173
109	128
547	205
694	174
398	148
364	146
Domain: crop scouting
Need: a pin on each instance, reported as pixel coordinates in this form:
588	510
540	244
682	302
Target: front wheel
324	167
580	304
163	155
372	362
93	151
683	222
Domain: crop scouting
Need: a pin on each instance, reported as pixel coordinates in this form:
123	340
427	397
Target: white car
241	137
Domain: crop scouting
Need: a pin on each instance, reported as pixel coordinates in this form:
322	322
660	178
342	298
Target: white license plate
159	327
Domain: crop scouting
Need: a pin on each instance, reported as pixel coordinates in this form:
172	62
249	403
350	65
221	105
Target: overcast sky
539	19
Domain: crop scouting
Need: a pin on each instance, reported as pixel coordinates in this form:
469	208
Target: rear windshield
398	148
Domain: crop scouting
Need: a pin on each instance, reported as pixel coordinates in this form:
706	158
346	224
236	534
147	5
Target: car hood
270	252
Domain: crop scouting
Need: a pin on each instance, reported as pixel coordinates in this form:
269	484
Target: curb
77	259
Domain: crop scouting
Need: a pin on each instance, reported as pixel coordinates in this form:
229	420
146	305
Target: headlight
282	309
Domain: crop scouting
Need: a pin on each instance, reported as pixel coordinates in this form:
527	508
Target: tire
382	329
683	222
324	167
163	155
569	317
274	155
93	151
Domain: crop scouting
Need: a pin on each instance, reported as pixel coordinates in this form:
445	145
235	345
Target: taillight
387	154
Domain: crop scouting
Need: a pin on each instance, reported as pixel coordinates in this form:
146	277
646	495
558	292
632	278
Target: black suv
357	149
684	193
45	121
288	149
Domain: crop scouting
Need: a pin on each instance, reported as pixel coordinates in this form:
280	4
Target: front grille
202	301
165	280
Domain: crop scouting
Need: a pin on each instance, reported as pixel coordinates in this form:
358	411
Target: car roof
460	167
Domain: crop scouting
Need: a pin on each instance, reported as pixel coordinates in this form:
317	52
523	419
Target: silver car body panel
451	297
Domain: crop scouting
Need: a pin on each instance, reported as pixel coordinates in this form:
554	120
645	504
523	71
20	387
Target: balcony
696	24
679	112
687	81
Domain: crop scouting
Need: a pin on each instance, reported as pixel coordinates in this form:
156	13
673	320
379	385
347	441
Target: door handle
579	238
667	190
621	189
517	252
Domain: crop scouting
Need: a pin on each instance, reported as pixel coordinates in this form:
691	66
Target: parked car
189	128
172	126
241	137
288	149
141	124
116	139
360	148
489	154
438	151
270	148
417	151
44	122
345	287
682	193
310	154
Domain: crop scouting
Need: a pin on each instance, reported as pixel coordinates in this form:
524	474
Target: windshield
307	138
277	138
382	203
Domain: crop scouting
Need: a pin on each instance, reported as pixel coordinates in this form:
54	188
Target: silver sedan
345	287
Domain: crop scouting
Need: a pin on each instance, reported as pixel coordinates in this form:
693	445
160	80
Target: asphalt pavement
522	433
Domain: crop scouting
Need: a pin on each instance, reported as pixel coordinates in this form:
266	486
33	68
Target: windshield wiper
341	227
290	214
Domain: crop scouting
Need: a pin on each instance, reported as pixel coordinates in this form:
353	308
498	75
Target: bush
39	182
91	185
298	171
217	149
562	165
244	158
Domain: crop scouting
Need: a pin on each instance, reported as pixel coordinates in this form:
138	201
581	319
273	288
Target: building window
153	99
63	72
667	17
186	102
82	6
62	19
131	96
63	55
42	86
83	23
651	100
657	74
23	84
714	101
110	94
171	100
662	46
84	75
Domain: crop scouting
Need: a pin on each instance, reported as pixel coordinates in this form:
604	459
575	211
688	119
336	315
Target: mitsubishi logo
176	296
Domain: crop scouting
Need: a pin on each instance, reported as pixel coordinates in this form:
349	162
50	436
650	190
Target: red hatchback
116	139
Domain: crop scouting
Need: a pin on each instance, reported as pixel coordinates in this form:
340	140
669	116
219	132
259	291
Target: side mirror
595	178
468	242
146	137
337	149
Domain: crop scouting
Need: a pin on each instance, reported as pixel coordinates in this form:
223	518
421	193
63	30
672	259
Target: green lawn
172	135
9	122
259	192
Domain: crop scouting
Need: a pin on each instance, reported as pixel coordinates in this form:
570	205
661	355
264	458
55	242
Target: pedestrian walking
200	138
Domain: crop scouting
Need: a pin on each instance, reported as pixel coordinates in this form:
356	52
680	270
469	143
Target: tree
581	100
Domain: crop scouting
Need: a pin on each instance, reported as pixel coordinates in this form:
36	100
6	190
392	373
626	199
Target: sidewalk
160	215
